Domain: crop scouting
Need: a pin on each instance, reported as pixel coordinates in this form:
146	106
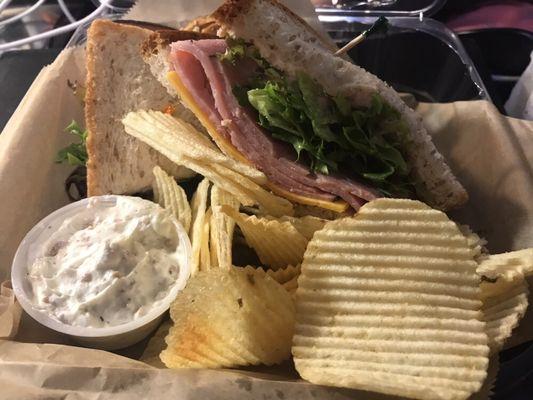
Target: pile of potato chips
396	299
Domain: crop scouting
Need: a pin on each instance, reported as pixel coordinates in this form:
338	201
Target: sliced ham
210	83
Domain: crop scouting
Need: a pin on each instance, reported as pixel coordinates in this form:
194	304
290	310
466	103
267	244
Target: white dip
109	264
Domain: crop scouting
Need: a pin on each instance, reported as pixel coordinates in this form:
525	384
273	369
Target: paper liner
32	184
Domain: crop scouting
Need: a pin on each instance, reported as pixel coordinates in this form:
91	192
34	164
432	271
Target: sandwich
326	133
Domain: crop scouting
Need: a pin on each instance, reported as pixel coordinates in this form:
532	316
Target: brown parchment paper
30	182
492	155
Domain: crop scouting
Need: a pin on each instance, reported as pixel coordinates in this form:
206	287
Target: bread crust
163	37
90	121
141	24
203	25
232	9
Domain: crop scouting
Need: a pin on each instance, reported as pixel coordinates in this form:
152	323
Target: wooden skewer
351	44
381	25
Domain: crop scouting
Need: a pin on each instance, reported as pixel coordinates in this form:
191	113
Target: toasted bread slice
289	44
118	81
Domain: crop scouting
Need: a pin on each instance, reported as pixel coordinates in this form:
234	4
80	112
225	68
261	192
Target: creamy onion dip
107	265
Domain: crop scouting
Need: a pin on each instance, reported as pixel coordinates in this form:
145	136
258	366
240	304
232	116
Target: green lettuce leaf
75	153
236	50
326	132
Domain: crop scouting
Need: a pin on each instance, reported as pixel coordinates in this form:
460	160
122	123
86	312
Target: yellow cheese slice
231	151
337	206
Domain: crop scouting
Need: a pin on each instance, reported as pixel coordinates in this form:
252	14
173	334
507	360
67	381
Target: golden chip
276	243
503	308
229	318
214	248
476	243
168	142
388	301
222	228
286	274
159	195
507	267
205	251
505	292
524	331
292	285
168	194
182	144
198	205
307	225
195	144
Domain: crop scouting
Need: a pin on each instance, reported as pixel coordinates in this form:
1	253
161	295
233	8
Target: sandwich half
324	131
119	81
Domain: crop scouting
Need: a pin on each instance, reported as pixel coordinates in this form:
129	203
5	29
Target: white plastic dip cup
107	338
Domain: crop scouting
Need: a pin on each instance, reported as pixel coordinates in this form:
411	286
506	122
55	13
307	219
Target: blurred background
444	50
436	50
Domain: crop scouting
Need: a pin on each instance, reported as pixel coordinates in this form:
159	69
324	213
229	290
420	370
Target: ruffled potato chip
277	243
168	194
388	301
229	318
181	143
197	231
222	227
